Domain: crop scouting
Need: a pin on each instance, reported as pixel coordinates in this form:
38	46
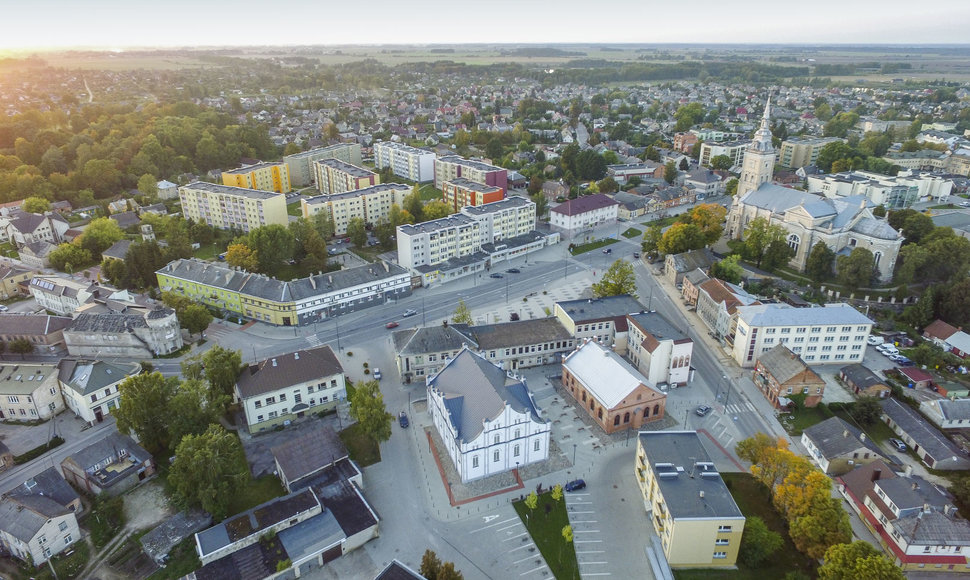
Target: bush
39	450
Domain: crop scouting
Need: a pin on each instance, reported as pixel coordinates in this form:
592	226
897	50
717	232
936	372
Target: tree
856	560
670	172
731	187
818	266
684	165
590	165
436	209
618	279
608	185
866	410
462	315
557	492
681	237
758	542
758	236
273	245
531	501
100	234
357	232
242	256
542	204
413	205
209	470
535	185
323	223
825	527
191	410
916	226
430	565
222	367
567	538
195	318
148	185
777	255
651	154
651	239
142	409
21	346
729	269
709	218
35	204
367	408
855	270
494	148
722	162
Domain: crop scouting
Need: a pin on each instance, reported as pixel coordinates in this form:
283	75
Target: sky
38	24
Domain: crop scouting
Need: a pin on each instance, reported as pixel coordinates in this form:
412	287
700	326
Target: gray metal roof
495	206
834	437
86	377
934	529
955	410
312	536
861	376
522	332
345	167
783	364
288	369
22	517
229	190
590	310
432	339
686	476
108	447
476	390
934	443
327	197
763	315
32	324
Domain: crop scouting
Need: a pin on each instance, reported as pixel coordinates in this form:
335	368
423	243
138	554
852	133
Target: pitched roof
22	517
475	390
915	374
289	369
785	315
108	447
608	377
783	364
933	442
86	377
861	376
523	332
954	410
309	452
692	260
939	329
584	204
118	250
834	437
48	483
432	339
729	295
32	324
396	570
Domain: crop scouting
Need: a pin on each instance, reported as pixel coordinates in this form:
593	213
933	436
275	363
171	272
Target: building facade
90	388
798	152
29	392
780	373
405	161
486	417
111	465
758	164
583	214
451	167
462	192
892	192
658	350
734	150
134	333
370	204
232	208
262	176
34	528
335	176
300	165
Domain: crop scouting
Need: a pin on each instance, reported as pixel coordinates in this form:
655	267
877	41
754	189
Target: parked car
904	361
3	308
495	275
409	312
887	349
875	340
899	445
391	324
575	485
377	373
636	255
514	316
513	271
702	410
895	357
402	420
607	250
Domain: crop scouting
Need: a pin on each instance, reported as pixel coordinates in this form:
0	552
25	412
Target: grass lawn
258	491
362	448
545	524
368	253
583	248
209	251
429	192
804	417
754	500
295	209
663	222
632	233
181	561
105	520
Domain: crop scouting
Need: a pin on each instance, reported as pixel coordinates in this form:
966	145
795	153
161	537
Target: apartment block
405	161
336	176
835	333
684	142
462	192
370	204
504	219
798	152
300	165
232	208
687	502
436	241
451	167
733	149
894	192
262	176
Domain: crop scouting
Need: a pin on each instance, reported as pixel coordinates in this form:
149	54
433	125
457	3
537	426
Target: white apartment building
451	167
834	333
583	213
405	161
733	149
29	391
438	240
301	164
501	220
61	295
897	192
660	352
226	207
370	204
798	152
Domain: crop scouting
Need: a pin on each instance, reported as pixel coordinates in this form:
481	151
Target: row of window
802	329
297	394
497	454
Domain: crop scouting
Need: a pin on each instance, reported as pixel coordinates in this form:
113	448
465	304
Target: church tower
759	158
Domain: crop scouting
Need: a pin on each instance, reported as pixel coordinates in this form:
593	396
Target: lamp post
727	396
574	454
506	290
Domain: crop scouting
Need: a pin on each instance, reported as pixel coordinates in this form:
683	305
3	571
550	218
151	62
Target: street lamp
574	454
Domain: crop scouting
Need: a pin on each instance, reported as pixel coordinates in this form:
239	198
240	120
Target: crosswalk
314	340
740	407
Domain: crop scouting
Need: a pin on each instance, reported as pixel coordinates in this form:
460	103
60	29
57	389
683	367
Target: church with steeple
759	158
843	224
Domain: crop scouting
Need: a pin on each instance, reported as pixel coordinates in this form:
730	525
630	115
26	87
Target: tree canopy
618	279
209	470
367	408
143	398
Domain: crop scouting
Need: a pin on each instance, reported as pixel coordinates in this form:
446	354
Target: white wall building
34	528
660	352
835	333
486	417
583	213
405	161
897	192
301	164
29	391
90	388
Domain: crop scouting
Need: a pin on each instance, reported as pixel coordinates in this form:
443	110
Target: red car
391	325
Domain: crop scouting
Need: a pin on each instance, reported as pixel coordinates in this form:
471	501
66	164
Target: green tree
35	204
758	543
191	410
618	279
758	236
722	162
866	410
69	258
681	237
651	239
535	185
222	368
670	172
462	315
494	148
731	187
436	209
323	223
531	501
21	346
729	269
209	470
684	165
651	154
709	218
414	206
590	165
855	270
195	318
384	232
430	565
916	227
777	255
242	256
273	245
608	185
857	560
542	204
688	115
357	232
818	266
826	526
100	234
148	185
367	408
142	409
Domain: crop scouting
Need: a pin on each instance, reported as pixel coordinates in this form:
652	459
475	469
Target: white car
887	349
875	340
377	373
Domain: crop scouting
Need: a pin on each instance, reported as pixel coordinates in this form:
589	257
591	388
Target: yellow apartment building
227	207
262	176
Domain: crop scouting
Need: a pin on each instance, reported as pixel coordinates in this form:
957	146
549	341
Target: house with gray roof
947	413
42	330
601	319
837	447
864	382
117	251
290	387
50	484
37	254
843	224
486	416
34	527
129	331
90	387
25	228
676	266
308	453
780	373
932	446
111	465
422	351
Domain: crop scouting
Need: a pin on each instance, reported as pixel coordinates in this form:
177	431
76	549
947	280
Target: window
474	461
536	446
829	339
720	555
282	397
793	242
42	539
816	329
260	418
497	439
785	330
616	420
270	400
297	398
68	539
722	542
723	529
830	329
258	405
272	414
515	451
62	526
495	456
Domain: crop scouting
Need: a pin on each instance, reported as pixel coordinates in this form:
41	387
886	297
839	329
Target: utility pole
727	397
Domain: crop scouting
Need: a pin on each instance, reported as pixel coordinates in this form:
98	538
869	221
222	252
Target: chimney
296	356
701	494
330	278
862	436
876	474
845	432
313	283
915	486
274	362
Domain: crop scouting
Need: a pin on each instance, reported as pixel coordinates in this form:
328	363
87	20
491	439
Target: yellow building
226	207
801	151
370	204
688	503
262	176
336	176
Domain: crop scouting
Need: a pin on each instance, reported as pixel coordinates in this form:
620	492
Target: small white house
486	417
